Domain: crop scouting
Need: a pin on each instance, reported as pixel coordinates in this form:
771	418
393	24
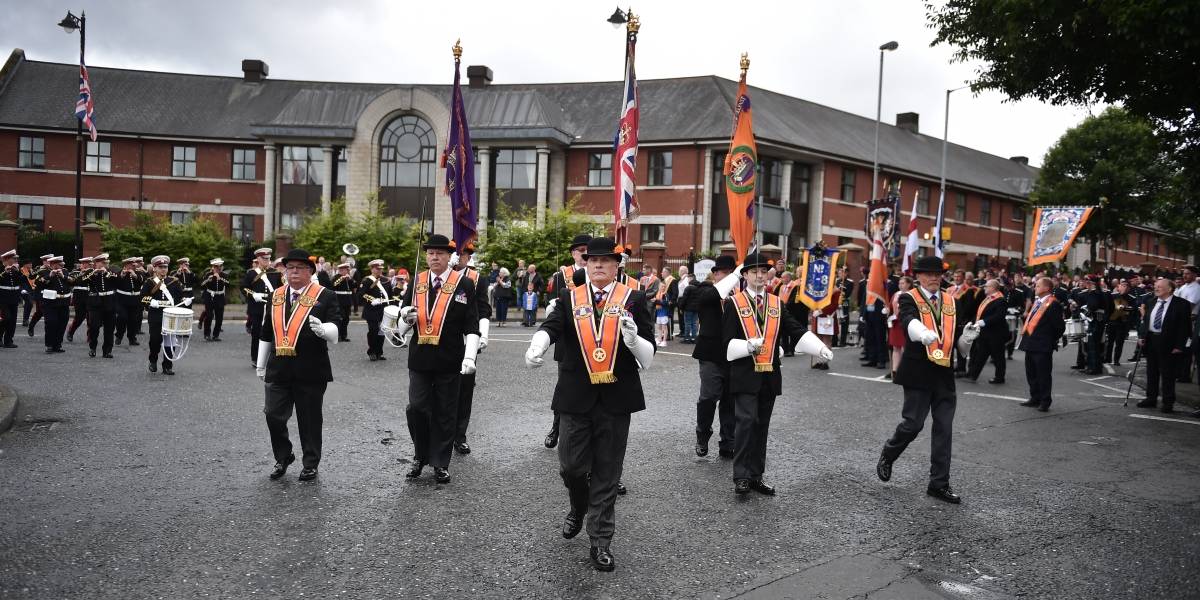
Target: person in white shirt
1190	291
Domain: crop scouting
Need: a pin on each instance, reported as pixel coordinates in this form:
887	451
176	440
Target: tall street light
69	24
888	47
941	214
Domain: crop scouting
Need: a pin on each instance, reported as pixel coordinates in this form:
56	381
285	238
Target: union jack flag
83	106
625	148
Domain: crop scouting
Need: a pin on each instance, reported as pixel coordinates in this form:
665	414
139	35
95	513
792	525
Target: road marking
1165	419
996	396
1098	378
1111	371
1113	396
875	379
1090	382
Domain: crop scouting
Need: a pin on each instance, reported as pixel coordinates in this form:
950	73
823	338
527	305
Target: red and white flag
913	241
625	148
83	104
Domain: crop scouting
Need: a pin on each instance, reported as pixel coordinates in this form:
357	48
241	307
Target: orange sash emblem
568	273
287	327
1035	316
939	352
769	331
987	301
431	318
598	342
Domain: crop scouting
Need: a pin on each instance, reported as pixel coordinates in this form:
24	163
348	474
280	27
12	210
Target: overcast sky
822	51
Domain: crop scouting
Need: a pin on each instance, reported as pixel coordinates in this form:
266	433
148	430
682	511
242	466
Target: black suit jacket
370	289
483	308
709	344
311	362
994	327
743	379
916	370
252	283
575	392
1176	325
462	319
1048	332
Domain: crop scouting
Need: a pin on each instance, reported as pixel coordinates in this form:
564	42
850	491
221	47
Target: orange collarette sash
431	318
287	327
964	288
473	274
987	301
744	301
939	352
632	283
1035	316
598	342
568	273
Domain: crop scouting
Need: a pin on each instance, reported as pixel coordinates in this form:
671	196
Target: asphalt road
120	483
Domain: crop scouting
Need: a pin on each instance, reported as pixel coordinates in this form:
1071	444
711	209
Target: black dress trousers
307	398
155	317
753	422
941	401
57	318
1038	369
432	415
1160	369
99	318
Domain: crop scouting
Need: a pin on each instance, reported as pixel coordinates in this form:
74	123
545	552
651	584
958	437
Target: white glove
408	314
537	347
725	286
826	355
979	324
629	331
885	310
259	297
550	306
453	260
484	326
917	330
471	351
928	338
186	302
753	345
261	372
468	366
154	303
325	331
376	302
264	351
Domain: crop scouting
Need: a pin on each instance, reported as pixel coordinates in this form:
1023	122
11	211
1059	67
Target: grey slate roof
41	94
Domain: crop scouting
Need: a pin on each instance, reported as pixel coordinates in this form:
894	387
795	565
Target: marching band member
53	289
160	291
605	342
12	282
33	274
258	284
401	286
466	388
27	290
563	279
214	283
79	295
710	352
129	287
376	293
293	361
187	280
140	307
751	324
102	305
442	308
928	315
344	286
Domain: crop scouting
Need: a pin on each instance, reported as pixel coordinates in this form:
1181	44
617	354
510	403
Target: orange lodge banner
741	163
1054	230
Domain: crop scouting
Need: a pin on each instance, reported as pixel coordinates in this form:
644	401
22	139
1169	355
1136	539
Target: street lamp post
69	24
888	47
942	182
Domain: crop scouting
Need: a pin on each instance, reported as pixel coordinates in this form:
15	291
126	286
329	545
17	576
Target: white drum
391	318
1076	329
49	295
177	321
1013	323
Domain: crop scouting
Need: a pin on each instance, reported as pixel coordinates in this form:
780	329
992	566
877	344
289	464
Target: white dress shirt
1162	305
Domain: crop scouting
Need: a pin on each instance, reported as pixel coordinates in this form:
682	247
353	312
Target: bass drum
391	318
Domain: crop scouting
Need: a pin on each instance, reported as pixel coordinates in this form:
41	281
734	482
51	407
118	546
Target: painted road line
875	379
1098	378
1108	367
1165	419
1089	382
996	396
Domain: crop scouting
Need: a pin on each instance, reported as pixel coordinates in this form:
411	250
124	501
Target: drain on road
37	424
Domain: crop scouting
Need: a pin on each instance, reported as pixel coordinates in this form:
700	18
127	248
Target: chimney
478	76
908	121
1020	160
255	70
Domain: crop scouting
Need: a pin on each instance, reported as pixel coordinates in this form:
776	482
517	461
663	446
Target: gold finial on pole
635	22
745	62
457	50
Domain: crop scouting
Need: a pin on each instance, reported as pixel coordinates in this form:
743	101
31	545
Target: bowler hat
601	246
755	260
580	240
438	241
725	262
299	254
929	264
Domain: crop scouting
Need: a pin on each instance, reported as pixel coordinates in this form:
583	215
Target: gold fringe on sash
603	377
759	368
429	339
281	351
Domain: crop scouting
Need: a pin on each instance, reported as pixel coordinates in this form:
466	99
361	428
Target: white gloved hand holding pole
629	331
408	314
753	345
376	302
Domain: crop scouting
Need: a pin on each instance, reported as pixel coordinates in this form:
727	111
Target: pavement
118	482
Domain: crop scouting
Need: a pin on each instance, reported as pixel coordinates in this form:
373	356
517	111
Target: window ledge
173	178
30	169
97	174
656	187
601	187
252	181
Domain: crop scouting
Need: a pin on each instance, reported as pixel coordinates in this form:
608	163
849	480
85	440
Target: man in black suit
102	307
563	279
710	352
993	333
1163	339
751	322
129	303
441	308
1042	329
466	388
927	316
598	389
293	360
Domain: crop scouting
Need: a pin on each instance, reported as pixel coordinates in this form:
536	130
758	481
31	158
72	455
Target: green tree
1114	156
516	236
392	238
201	239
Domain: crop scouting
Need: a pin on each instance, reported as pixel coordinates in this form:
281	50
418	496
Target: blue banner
817	264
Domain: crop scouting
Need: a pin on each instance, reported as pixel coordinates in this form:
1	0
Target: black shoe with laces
944	494
282	466
883	468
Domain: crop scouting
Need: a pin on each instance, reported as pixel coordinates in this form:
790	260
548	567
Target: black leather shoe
281	467
602	559
1031	403
1043	409
49	350
10	345
30	332
996	381
57	350
741	486
621	490
134	343
868	364
92	353
572	525
208	338
462	448
168	371
881	366
381	357
216	339
441	475
308	474
1166	409
415	470
883	468
761	487
701	448
551	438
945	494
1147	404
108	355
117	341
725	453
372	357
153	367
70	337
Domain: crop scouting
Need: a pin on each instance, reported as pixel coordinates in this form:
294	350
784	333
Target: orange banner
740	166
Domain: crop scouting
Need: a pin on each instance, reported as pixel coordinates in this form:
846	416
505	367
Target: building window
960	207
516	169
303	166
241	227
848	176
1139	243
923	200
1017	213
31	153
985	212
183	162
407	166
660	168
32	215
843	240
801	183
720	235
180	217
599	169
770	174
91	214
1154	241
98	158
243	164
653	233
893	188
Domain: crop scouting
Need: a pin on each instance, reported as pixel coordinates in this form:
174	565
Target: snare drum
1076	329
49	295
177	320
1013	323
391	318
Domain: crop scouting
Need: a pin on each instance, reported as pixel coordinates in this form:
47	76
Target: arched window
407	166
